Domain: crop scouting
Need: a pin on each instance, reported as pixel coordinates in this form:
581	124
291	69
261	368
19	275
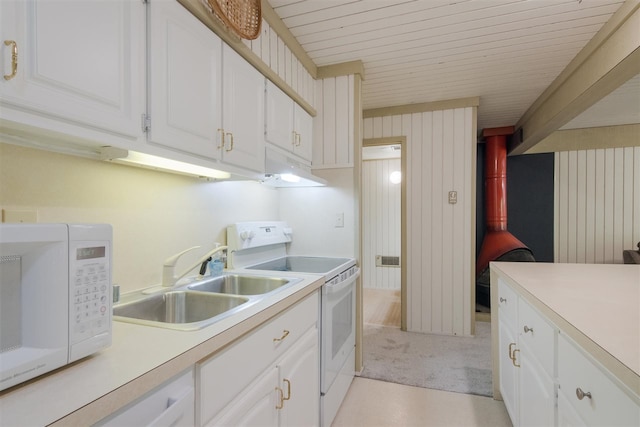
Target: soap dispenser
216	265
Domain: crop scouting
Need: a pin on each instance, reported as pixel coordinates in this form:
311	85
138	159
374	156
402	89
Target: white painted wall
333	127
153	214
597	206
311	212
441	157
380	223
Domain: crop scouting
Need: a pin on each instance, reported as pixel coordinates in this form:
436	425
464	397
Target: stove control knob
246	235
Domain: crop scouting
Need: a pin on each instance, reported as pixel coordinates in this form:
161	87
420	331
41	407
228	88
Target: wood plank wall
333	126
380	223
275	53
441	156
597	207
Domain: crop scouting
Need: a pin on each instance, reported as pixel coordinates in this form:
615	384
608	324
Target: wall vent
387	261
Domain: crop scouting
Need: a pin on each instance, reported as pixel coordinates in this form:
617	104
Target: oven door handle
328	289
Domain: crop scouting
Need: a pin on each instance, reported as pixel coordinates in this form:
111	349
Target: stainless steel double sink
200	303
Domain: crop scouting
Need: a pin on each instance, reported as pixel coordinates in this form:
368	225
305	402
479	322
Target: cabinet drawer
609	404
507	302
537	334
228	372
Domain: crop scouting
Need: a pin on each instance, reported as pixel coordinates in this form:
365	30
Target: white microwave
55	296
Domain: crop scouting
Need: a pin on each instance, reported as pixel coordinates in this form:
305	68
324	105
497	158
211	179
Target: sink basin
184	310
242	285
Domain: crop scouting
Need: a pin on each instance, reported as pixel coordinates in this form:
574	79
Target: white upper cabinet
288	125
303	127
73	64
184	81
243	112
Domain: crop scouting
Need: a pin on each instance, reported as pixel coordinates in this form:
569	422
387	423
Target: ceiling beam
610	58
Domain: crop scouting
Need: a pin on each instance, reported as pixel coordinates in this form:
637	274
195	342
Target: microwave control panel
90	277
90	289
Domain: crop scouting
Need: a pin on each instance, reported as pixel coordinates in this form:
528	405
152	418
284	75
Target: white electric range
262	245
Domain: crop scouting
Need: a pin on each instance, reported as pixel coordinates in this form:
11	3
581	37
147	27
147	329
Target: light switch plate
340	220
14	216
453	197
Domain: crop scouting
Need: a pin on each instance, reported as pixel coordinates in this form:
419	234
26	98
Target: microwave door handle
340	286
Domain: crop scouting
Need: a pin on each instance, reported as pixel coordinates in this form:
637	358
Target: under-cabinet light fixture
136	158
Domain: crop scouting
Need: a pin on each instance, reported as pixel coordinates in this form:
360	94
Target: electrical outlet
10	215
340	220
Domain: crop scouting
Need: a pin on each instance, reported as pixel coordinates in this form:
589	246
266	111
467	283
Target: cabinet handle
288	388
281	398
503	299
14	59
230	142
581	394
221	143
284	335
527	329
511	350
513	359
298	139
293	137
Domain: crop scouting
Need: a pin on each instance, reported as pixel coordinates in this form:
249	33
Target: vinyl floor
373	403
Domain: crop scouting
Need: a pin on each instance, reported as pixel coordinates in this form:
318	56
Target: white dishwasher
170	404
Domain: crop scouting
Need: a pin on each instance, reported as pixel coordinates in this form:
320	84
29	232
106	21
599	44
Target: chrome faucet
169	278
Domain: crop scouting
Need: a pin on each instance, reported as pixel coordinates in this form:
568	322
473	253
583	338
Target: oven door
338	327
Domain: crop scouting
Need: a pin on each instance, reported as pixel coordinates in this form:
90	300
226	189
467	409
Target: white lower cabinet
526	374
591	395
270	377
171	404
545	379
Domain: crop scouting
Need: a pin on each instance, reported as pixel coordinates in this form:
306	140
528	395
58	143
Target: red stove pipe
495	167
497	240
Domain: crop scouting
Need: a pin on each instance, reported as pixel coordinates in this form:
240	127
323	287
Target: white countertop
136	351
601	301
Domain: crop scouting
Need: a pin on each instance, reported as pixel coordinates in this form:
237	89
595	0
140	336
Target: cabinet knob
513	359
230	147
284	335
14	59
511	345
527	329
503	299
581	394
288	383
221	144
280	403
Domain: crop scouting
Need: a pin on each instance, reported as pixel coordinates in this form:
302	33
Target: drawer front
223	376
507	303
609	404
537	334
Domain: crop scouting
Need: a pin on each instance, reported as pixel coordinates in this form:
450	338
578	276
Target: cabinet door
255	407
243	112
184	81
567	416
300	380
77	61
303	125
508	374
536	390
279	117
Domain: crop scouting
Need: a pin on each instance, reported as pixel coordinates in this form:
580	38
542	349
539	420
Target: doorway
382	210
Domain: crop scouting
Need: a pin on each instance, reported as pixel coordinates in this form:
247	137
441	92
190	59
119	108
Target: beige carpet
442	362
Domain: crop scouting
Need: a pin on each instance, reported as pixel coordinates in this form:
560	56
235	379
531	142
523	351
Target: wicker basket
244	17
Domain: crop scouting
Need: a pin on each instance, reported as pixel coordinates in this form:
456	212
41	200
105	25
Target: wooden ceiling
505	51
